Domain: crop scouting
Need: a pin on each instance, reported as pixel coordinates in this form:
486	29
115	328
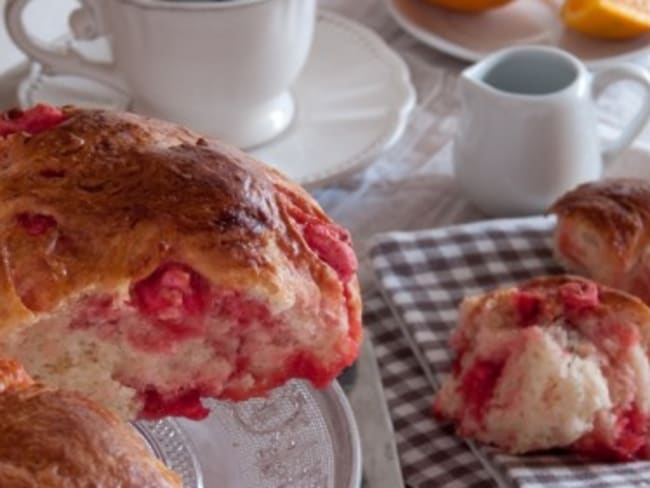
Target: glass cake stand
298	437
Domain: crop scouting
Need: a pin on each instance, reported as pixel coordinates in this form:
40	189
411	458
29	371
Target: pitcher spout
525	73
473	80
471	85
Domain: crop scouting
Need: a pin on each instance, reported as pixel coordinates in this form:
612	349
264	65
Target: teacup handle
600	82
86	23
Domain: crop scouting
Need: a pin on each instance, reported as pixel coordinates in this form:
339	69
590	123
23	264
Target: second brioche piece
557	362
56	439
603	231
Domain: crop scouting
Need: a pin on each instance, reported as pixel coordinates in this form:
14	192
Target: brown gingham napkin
422	277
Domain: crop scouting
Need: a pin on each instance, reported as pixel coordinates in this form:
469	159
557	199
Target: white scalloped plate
298	437
353	100
472	37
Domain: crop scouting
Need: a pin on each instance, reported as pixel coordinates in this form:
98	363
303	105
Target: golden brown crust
13	375
127	193
59	439
610	297
50	438
619	208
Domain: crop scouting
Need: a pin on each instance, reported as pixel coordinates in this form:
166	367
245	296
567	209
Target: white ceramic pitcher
527	132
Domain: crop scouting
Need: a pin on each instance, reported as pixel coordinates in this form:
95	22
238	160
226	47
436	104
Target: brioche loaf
146	266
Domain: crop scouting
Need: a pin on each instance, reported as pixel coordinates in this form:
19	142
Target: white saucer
472	37
353	100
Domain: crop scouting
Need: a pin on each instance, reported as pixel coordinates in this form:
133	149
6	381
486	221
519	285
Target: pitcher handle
601	81
86	23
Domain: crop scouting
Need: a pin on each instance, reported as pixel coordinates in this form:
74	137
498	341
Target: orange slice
608	19
469	6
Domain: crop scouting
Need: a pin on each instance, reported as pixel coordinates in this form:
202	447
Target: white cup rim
191	5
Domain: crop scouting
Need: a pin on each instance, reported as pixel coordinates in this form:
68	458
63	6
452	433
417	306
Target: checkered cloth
423	276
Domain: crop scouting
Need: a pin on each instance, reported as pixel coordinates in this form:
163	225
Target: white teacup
527	132
222	68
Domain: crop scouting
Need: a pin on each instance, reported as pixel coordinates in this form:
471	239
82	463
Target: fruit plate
472	37
298	437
